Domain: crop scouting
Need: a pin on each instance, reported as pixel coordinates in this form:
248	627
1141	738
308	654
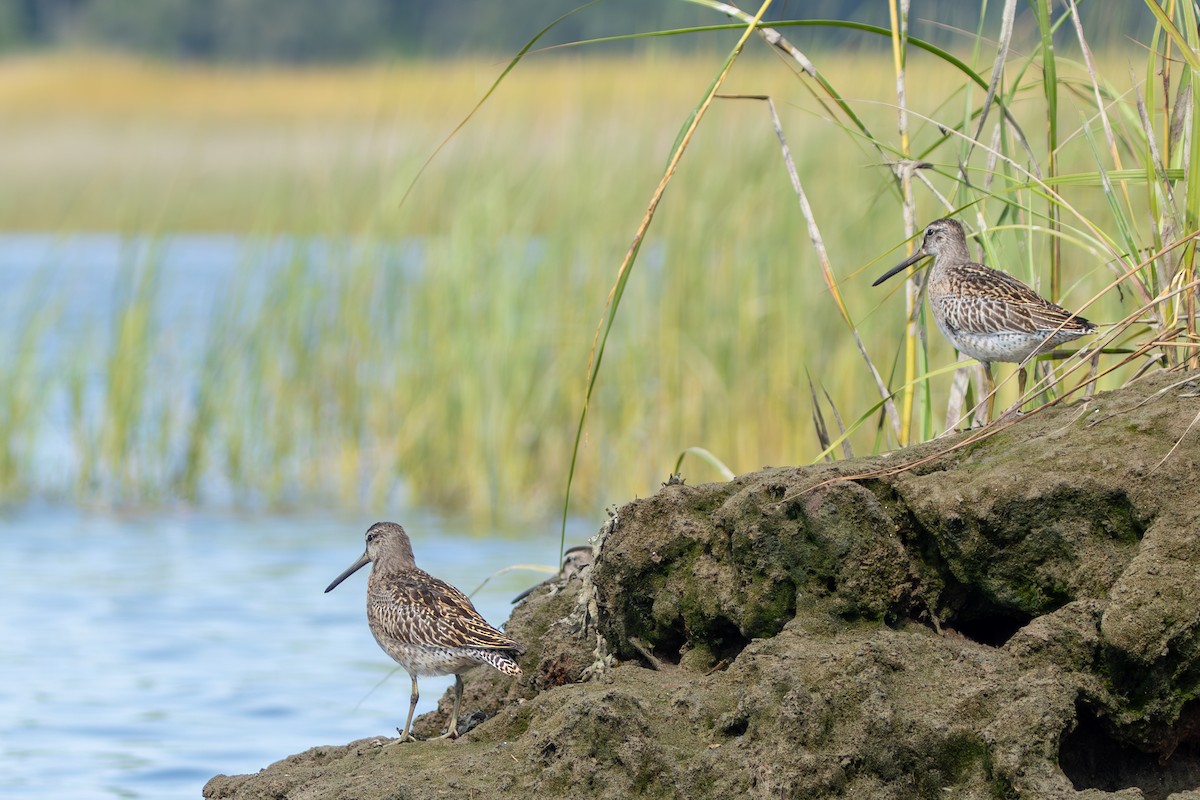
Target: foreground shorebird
987	314
425	624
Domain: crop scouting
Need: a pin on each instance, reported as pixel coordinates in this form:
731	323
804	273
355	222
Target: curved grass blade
614	296
491	90
836	97
708	458
1092	179
544	569
818	243
776	40
1181	41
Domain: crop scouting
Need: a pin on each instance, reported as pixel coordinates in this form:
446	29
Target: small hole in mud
726	641
1092	759
668	645
992	630
736	726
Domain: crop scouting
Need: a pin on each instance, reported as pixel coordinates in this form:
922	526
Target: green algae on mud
1019	620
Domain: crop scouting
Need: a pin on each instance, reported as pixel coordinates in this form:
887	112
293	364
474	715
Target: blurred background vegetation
313	32
357	350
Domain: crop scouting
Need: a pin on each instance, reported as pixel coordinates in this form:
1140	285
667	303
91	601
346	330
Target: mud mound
1018	617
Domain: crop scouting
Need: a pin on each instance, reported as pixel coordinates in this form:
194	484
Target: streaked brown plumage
425	624
987	314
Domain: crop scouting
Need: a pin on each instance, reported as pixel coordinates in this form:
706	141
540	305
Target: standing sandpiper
987	314
425	624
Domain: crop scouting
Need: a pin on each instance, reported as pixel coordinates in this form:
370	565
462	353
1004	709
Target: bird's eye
371	537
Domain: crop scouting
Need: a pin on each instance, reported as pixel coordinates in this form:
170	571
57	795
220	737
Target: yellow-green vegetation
460	370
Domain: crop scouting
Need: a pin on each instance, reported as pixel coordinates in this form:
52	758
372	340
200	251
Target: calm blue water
141	655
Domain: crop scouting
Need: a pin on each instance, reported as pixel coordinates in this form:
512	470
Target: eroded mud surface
1017	618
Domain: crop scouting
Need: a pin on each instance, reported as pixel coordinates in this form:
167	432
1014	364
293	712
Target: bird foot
405	736
451	729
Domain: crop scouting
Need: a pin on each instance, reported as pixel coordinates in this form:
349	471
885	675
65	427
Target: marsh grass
437	352
1038	177
24	382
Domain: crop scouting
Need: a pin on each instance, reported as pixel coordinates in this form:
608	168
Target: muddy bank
1017	618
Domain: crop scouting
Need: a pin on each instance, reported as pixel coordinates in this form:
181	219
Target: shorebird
425	624
987	314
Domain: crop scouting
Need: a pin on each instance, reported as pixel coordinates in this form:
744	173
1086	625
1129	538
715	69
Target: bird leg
405	736
452	729
991	389
1015	408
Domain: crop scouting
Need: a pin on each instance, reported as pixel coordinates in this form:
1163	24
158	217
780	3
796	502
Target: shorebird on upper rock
987	314
425	624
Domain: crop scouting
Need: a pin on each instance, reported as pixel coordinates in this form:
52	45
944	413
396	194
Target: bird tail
500	659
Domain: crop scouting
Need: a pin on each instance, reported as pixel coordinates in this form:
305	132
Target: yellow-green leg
452	728
990	392
405	736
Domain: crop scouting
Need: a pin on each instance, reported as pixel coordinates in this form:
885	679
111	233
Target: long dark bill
908	262
353	568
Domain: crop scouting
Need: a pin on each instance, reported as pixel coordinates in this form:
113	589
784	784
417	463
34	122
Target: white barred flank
500	659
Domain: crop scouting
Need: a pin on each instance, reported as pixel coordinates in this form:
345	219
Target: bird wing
987	301
415	607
